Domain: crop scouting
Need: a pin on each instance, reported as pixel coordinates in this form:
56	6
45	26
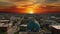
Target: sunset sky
30	6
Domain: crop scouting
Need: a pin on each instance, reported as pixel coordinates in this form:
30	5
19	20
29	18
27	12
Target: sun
30	10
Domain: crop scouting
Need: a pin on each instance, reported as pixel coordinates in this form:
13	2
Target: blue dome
33	26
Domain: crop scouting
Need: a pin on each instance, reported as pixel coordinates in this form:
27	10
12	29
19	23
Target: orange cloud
30	6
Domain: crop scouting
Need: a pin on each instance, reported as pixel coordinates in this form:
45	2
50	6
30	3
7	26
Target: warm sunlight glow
30	10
